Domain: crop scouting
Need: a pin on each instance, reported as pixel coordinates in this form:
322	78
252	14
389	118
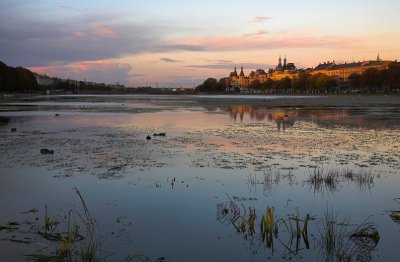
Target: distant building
282	71
236	81
241	82
44	80
344	70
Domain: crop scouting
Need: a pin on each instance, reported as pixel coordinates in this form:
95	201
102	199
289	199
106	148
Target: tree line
17	80
371	80
22	80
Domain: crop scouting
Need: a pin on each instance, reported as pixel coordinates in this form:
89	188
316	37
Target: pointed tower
378	58
284	63
280	61
234	73
241	71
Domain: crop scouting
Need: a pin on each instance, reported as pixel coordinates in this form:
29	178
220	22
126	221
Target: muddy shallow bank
205	190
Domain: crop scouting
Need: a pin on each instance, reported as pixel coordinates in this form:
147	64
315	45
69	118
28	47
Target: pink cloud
258	19
97	71
153	61
80	34
103	30
99	65
280	40
257	33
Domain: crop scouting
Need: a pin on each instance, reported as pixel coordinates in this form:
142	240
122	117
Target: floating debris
45	151
395	216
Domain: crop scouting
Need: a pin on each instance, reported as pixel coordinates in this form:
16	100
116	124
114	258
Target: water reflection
181	176
326	117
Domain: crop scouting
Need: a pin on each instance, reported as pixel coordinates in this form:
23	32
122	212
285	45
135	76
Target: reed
339	243
90	249
267	226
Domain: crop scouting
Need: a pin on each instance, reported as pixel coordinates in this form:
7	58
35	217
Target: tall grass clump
321	179
90	248
338	242
76	237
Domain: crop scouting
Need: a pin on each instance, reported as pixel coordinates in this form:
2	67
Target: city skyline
184	42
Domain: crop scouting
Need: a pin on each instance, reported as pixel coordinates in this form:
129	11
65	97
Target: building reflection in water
259	114
285	117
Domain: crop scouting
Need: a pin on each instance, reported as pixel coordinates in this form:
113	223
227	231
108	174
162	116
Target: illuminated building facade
343	71
241	82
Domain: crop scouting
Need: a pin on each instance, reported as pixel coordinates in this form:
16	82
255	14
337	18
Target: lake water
235	178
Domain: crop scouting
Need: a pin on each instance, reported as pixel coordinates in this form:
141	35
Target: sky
181	43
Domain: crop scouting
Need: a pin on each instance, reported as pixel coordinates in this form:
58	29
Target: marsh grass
338	242
50	224
321	179
76	238
335	238
90	249
288	232
330	180
269	180
268	227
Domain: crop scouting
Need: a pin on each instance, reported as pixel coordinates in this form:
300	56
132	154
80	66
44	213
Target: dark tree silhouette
17	79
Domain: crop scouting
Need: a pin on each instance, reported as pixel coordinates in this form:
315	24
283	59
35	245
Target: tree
17	79
324	83
302	82
284	84
269	85
355	81
211	85
392	78
26	80
370	79
256	85
221	85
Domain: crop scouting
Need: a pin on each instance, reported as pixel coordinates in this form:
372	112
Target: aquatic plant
338	240
49	223
395	214
90	248
80	241
339	243
267	227
363	179
321	179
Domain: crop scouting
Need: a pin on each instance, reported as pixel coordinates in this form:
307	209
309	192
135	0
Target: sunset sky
174	43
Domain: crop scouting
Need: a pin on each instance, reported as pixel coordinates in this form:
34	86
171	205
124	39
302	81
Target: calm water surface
205	191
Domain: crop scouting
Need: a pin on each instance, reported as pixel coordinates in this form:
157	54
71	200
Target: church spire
241	71
280	61
378	58
284	62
